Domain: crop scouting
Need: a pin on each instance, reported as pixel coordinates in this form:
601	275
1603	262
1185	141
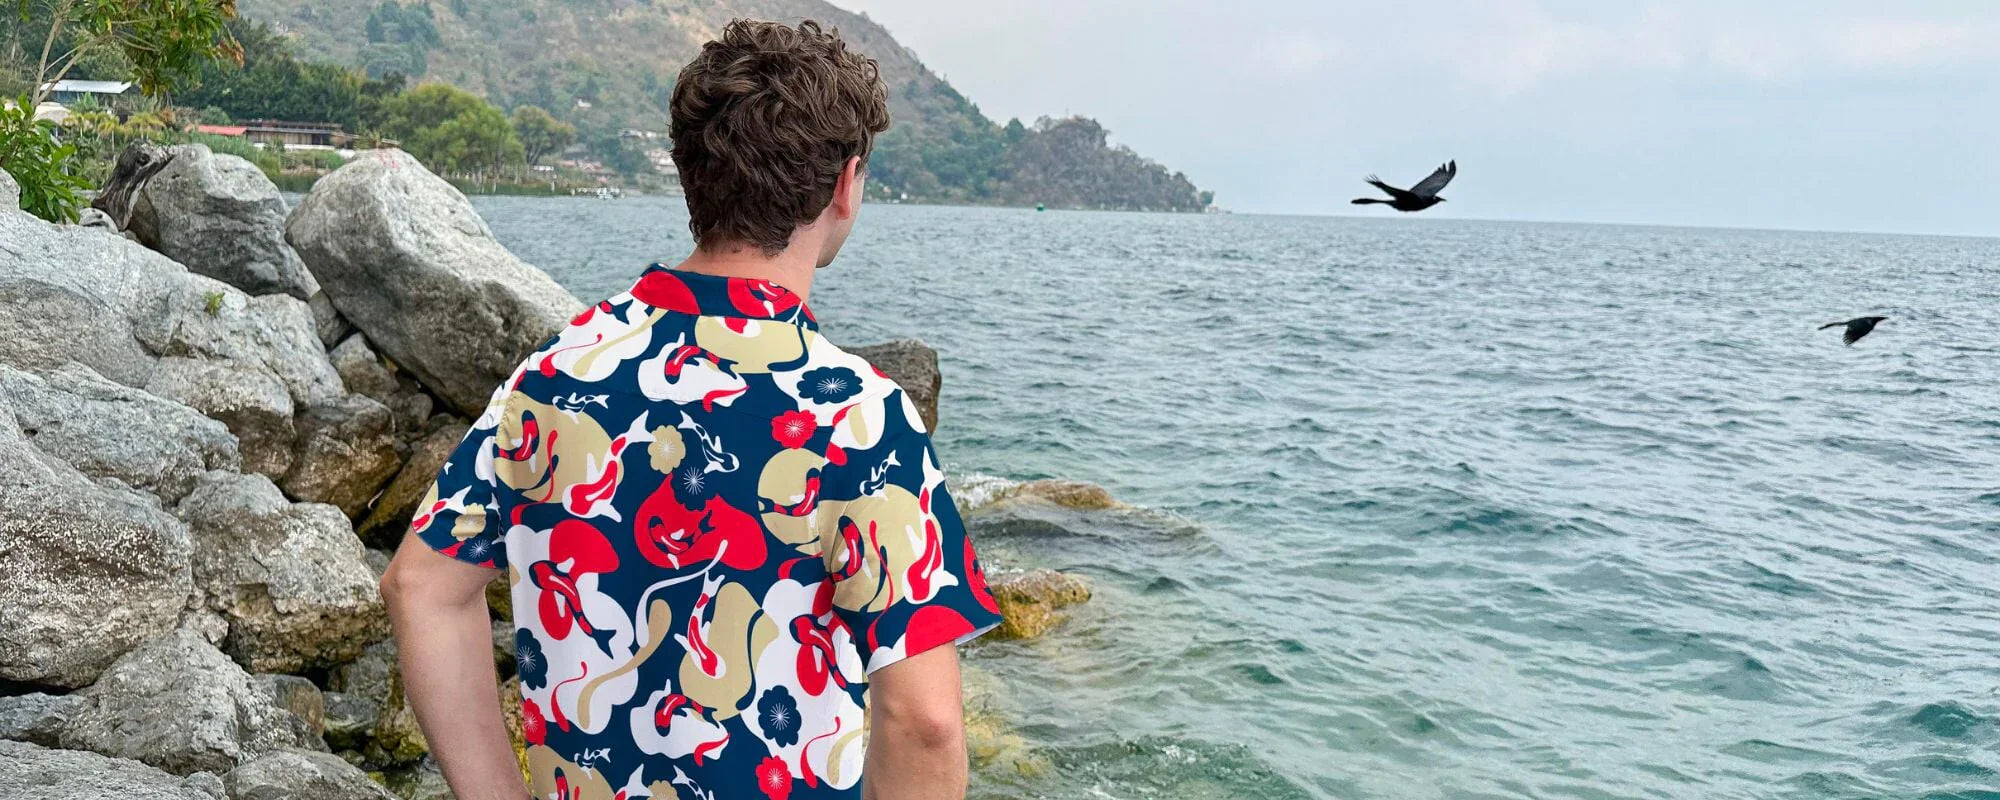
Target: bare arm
445	644
916	730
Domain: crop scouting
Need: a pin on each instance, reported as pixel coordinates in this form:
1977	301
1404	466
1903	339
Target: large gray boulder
179	704
290	578
219	216
70	294
91	570
913	365
405	258
10	193
32	772
301	775
107	430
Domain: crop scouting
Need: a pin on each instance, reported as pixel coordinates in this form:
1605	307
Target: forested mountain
609	65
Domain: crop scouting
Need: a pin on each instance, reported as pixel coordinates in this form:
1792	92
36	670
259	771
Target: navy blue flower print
779	714
830	384
529	662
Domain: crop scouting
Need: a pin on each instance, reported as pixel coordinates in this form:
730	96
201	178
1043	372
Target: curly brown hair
764	120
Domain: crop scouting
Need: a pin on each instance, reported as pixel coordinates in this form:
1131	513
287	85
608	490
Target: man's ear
847	190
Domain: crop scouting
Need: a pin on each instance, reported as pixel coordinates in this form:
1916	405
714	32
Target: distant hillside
619	58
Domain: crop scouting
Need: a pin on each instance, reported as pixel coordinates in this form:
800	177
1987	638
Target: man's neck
793	268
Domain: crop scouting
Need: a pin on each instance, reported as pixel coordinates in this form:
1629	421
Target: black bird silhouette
1418	197
1856	328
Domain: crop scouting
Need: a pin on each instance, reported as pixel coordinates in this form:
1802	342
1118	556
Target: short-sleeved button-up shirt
715	524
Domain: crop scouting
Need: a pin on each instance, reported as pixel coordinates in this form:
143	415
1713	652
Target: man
734	567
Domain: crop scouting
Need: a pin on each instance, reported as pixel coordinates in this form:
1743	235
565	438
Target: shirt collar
664	287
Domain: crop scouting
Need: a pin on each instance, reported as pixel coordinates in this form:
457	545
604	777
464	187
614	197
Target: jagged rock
69	294
349	720
420	781
378	562
391	516
107	430
397	739
346	451
91	570
299	696
1032	602
180	705
361	370
291	577
500	596
503	648
301	775
405	258
31	772
10	192
368	675
36	717
219	216
210	320
248	400
327	321
913	365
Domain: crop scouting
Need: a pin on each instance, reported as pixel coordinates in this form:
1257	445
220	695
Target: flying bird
1418	197
1856	328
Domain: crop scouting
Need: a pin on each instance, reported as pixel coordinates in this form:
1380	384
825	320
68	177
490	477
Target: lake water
1445	509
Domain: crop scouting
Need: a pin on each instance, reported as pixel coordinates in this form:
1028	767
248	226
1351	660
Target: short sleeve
461	515
906	578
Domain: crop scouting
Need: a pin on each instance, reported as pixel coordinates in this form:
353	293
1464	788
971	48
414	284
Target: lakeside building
297	135
71	91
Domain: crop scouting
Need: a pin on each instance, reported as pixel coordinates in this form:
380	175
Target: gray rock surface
69	294
301	775
297	695
346	452
361	370
31	772
349	719
219	216
327	321
10	193
290	577
179	704
913	365
251	402
405	258
391	515
96	220
91	570
36	717
107	430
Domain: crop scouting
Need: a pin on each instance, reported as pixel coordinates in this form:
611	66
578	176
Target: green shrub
46	167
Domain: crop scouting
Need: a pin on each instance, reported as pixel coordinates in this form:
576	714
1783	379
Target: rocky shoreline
217	415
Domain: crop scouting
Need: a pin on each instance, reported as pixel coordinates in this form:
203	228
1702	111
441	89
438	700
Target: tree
162	42
540	133
451	130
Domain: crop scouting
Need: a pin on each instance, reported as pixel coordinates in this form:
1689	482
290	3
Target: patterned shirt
716	524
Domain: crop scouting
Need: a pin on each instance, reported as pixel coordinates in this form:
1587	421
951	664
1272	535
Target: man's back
715	525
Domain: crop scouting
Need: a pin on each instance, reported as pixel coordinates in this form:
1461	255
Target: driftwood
135	166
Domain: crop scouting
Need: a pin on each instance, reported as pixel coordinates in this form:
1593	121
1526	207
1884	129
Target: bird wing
1854	333
1394	192
1429	187
1831	325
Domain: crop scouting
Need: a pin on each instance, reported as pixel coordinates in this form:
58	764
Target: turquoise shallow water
1442	509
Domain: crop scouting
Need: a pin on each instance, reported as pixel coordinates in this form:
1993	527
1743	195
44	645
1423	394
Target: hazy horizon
1837	116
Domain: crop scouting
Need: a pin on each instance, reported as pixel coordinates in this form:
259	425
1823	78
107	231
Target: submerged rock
1076	495
1032	602
179	704
301	775
221	217
913	365
404	257
290	577
31	772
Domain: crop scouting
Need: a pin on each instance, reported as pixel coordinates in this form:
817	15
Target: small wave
1947	720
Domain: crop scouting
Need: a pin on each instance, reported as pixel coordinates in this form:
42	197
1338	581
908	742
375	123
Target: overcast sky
1815	114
